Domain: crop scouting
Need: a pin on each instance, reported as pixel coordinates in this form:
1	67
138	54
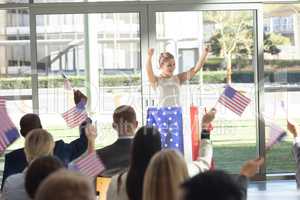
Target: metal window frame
147	11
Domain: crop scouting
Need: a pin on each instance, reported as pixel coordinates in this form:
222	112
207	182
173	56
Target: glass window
113	61
281	64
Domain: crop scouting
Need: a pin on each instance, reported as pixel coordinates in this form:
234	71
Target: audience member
218	185
38	142
66	185
15	161
129	185
165	172
116	156
38	171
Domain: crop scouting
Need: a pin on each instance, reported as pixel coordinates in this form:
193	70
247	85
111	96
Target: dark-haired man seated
15	161
116	156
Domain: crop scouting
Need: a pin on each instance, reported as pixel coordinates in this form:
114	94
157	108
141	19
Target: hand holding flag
76	115
292	128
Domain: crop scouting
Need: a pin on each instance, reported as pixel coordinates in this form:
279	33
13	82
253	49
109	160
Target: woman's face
168	67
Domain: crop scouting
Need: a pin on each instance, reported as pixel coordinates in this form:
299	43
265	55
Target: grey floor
273	190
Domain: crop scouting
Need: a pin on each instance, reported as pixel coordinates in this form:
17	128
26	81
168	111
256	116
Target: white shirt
14	188
168	91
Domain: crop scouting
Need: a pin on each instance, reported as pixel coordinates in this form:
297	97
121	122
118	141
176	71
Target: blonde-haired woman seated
166	171
38	142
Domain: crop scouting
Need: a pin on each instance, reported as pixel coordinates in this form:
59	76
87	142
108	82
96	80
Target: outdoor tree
233	35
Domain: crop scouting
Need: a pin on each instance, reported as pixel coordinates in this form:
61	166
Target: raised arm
91	134
188	75
151	77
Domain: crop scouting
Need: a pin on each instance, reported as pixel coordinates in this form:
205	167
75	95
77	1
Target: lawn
234	143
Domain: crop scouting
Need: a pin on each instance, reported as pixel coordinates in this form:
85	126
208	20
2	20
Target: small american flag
234	100
76	115
276	135
90	165
168	120
8	131
67	83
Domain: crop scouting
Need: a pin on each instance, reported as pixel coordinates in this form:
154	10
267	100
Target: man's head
66	185
38	142
124	120
216	185
29	122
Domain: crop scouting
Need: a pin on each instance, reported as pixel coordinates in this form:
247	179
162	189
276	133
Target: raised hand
250	167
292	128
79	97
150	52
208	118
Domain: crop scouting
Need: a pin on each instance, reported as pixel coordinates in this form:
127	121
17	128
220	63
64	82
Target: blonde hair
165	172
66	185
38	142
165	56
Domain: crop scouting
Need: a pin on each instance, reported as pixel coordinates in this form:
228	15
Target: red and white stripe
74	117
275	135
237	103
90	165
5	125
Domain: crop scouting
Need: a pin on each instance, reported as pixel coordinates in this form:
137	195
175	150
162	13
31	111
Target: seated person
167	170
15	161
66	185
38	171
115	157
38	142
296	149
218	185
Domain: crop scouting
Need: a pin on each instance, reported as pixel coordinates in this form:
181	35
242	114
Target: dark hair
146	143
216	185
29	122
124	113
38	171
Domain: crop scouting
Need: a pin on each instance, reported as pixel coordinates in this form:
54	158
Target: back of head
38	142
165	172
124	118
66	185
29	122
146	143
38	171
216	185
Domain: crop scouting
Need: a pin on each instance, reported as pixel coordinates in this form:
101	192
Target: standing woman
168	84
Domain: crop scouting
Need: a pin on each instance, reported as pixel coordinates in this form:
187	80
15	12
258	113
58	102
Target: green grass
234	142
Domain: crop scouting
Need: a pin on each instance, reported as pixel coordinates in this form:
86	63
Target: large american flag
8	131
276	135
90	165
234	100
76	115
168	120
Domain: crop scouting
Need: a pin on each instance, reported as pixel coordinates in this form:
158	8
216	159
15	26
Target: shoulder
15	154
14	180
